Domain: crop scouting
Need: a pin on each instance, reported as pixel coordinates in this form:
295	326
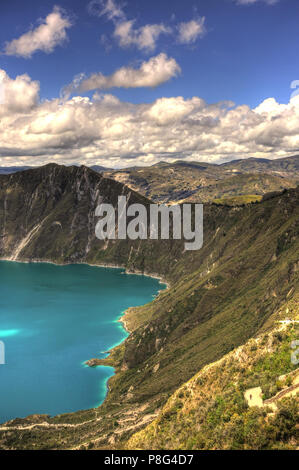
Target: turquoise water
53	319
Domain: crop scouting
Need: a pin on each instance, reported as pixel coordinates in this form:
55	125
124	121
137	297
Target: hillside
285	167
203	182
235	288
212	410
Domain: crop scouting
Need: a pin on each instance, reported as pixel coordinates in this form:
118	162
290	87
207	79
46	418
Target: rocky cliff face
49	212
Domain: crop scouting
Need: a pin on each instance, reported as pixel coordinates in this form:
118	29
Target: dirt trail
283	393
147	419
253	396
48	425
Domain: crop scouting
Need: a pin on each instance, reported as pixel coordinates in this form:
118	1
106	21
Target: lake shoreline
109	266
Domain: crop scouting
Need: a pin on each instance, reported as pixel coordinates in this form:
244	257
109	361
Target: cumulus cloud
145	38
170	110
19	95
191	30
49	34
125	32
110	132
152	73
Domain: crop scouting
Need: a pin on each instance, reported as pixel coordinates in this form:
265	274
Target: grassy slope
210	411
242	185
222	297
238	200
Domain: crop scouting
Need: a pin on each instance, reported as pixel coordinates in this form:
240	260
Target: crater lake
53	319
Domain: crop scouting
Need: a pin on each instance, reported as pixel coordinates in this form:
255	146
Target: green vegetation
238	200
210	411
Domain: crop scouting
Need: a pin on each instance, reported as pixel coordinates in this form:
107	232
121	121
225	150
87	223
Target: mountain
234	290
7	170
48	212
14	169
100	169
285	167
203	182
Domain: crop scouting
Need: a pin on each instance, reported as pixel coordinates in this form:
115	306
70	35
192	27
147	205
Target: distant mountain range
100	169
288	166
14	169
230	293
7	170
184	181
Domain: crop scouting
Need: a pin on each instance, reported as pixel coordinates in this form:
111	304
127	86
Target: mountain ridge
197	182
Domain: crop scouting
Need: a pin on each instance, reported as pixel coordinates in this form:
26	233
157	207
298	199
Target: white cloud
145	38
152	73
110	132
108	8
50	33
19	95
191	30
169	110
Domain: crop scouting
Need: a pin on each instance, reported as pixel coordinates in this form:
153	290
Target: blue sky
137	53
249	52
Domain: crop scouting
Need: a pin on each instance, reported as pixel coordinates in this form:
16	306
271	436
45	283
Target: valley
229	294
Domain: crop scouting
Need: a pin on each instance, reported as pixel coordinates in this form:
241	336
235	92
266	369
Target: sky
121	83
